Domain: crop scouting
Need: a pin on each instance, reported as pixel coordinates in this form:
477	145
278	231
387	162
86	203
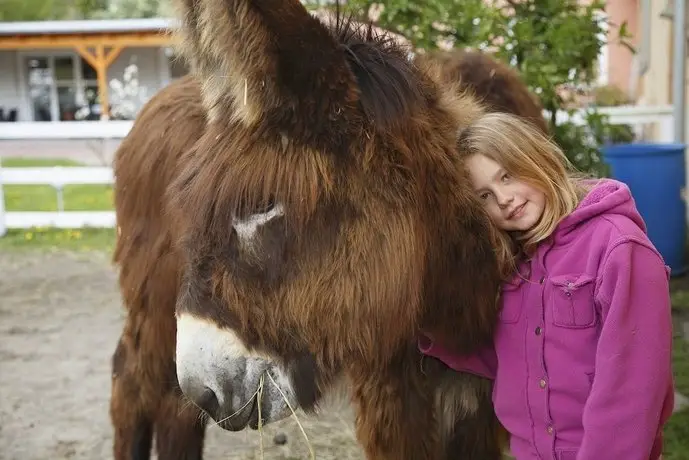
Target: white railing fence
57	177
89	130
653	123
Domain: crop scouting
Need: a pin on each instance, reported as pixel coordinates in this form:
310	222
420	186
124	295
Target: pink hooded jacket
582	353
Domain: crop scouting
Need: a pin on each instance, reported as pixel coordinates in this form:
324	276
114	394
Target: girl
581	357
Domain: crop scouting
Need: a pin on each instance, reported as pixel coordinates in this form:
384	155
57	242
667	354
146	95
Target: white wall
9	82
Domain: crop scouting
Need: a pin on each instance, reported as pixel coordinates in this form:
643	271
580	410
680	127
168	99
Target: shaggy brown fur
499	87
145	394
381	236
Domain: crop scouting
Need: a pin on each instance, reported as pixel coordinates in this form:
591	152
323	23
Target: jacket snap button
541	383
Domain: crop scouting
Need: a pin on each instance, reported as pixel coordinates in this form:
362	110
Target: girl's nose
504	199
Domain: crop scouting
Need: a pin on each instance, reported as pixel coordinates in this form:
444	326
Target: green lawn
93	197
677	430
44	198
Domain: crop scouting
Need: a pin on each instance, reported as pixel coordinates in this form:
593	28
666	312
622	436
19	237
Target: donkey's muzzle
221	376
208	402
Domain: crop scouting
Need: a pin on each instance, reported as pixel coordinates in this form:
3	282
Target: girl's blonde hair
527	155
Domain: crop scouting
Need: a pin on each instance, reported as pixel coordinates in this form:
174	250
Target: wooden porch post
101	61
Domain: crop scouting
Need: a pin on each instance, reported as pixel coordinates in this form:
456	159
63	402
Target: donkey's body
309	238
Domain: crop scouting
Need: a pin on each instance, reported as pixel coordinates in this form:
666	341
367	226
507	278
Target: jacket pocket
572	301
566	454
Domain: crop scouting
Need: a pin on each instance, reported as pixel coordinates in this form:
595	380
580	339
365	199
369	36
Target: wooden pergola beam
101	61
127	40
106	46
112	55
87	55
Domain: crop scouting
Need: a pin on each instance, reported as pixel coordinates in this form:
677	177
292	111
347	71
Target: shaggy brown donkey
306	215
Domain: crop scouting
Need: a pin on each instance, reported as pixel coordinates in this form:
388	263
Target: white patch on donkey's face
246	228
211	360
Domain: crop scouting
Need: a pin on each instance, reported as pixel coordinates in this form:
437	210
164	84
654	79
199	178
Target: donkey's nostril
208	401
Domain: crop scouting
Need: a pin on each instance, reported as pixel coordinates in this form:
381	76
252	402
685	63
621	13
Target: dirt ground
60	316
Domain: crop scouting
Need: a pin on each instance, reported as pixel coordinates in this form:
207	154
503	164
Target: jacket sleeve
483	363
632	386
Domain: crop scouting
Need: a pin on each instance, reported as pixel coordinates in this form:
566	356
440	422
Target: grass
44	198
676	437
676	434
677	429
93	197
680	300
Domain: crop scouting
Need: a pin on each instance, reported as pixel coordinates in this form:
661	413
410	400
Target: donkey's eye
266	206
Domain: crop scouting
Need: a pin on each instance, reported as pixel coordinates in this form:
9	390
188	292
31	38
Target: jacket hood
605	196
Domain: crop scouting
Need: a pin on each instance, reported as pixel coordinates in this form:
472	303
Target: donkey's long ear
265	58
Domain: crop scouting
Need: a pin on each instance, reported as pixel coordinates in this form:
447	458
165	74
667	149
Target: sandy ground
60	316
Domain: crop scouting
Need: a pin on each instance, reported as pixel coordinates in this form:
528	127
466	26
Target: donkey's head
324	218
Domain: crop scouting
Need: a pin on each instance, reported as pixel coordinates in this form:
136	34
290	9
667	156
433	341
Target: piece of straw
312	455
259	399
240	409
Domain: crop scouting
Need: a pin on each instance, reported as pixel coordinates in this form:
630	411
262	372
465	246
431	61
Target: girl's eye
484	196
505	177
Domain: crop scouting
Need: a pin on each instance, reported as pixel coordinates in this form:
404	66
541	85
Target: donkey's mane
387	78
255	166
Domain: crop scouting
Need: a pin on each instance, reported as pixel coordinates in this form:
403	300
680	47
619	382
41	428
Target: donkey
324	221
299	203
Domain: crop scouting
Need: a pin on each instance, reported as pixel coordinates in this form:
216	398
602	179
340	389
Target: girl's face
512	204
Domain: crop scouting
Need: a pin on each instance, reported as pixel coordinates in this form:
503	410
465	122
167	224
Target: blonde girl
581	358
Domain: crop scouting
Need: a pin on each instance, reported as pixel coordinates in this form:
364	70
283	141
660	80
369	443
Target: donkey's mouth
252	416
248	416
234	386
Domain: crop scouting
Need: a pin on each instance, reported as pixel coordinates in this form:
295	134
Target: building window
177	65
59	86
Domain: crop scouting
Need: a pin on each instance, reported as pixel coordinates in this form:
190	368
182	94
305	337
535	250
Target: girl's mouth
518	211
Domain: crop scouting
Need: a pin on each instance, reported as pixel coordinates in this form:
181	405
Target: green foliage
610	96
581	142
553	43
133	8
41	10
427	23
32	10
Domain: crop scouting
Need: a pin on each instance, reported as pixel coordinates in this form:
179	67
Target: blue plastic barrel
655	174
